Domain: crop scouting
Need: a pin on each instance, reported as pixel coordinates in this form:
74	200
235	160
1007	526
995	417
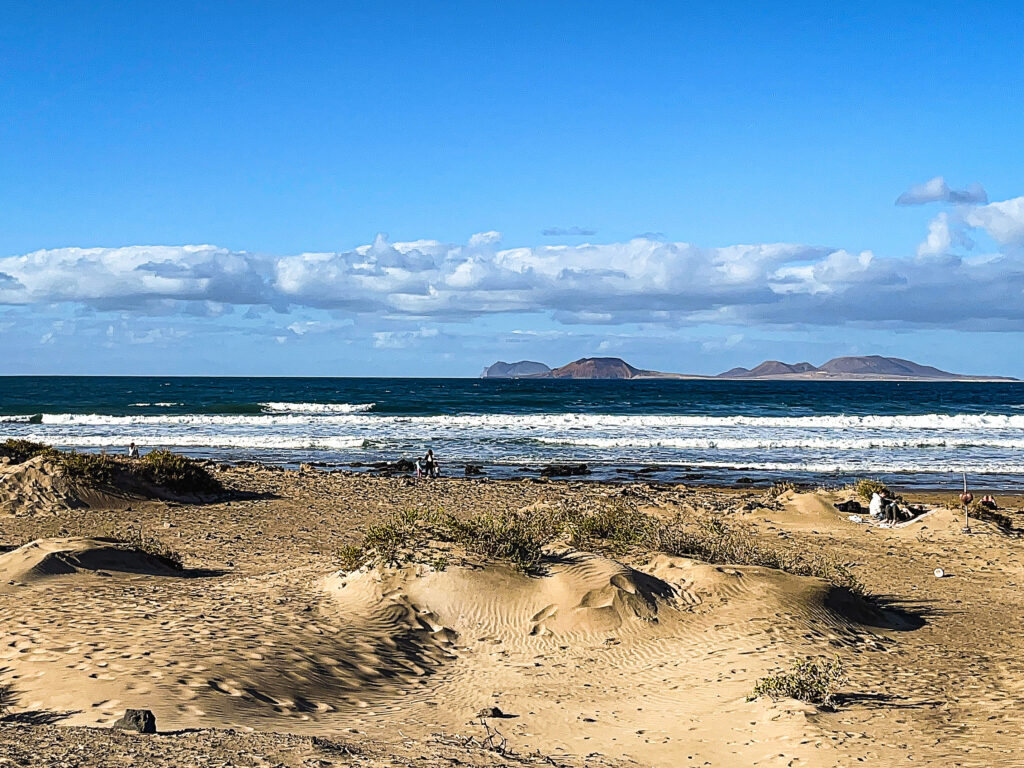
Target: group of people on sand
891	510
428	466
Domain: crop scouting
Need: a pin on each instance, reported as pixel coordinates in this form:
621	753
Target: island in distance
862	368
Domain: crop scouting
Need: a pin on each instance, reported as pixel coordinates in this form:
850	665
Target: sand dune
64	557
644	661
34	486
592	651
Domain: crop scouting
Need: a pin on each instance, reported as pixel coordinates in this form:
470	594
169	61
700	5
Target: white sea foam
809	443
972	467
357	414
772	443
189	419
314	408
177	440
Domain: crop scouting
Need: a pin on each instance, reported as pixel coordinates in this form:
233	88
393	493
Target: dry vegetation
161	468
777	489
867	487
614	526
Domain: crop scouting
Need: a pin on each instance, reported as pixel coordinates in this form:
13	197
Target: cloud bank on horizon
949	282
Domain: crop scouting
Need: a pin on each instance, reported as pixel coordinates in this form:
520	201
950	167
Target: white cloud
731	341
155	336
568	231
642	281
938	191
113	278
1004	221
403	339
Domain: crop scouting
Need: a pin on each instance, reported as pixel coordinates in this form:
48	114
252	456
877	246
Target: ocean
913	435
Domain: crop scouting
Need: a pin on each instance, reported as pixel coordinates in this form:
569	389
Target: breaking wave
360	414
254	442
755	443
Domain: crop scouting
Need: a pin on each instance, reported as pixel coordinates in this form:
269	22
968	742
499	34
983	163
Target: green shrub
351	557
177	473
440	561
811	681
614	524
865	487
388	538
160	467
515	536
22	450
90	468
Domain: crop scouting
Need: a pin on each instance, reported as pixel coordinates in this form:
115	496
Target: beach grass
616	526
159	467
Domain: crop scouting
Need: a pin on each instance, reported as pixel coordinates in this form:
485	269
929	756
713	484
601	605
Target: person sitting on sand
133	451
892	512
875	507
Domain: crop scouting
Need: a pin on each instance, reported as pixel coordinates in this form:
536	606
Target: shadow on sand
9	699
882	611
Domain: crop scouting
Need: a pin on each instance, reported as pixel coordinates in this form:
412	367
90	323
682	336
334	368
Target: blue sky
479	139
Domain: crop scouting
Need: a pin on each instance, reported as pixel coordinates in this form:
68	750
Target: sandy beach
263	651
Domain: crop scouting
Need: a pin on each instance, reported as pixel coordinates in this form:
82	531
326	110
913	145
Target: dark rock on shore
491	712
474	470
564	470
387	468
651	469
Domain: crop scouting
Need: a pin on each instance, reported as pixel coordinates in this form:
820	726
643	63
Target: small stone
139	720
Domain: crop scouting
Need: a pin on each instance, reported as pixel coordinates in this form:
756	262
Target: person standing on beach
133	451
430	465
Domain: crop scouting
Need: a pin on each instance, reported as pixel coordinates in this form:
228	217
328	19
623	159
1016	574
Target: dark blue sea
910	434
